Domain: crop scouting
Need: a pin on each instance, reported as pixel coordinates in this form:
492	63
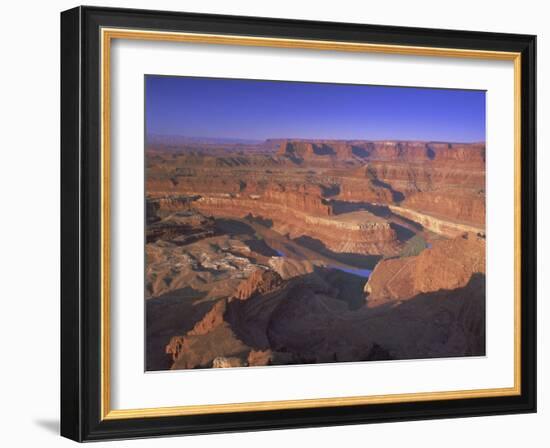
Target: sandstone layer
307	251
436	224
447	265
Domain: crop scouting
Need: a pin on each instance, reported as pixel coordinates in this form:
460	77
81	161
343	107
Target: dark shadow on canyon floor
307	322
173	313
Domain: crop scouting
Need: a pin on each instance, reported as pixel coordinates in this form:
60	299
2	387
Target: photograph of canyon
291	223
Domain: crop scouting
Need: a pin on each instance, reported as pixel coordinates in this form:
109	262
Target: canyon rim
302	223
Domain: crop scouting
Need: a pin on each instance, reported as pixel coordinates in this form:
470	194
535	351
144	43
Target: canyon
294	251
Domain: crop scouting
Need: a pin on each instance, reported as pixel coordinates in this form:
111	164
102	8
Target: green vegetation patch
414	246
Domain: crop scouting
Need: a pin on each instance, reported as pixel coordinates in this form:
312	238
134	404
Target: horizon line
265	139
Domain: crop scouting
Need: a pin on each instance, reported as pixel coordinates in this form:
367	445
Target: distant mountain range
173	140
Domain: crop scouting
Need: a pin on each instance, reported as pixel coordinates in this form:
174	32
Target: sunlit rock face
447	265
308	251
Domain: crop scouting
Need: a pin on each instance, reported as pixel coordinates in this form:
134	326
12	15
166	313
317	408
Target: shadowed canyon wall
306	251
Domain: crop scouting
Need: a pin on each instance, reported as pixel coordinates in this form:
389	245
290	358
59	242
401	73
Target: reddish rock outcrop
448	265
408	151
407	177
429	315
261	281
362	189
222	362
181	227
210	339
472	153
212	319
316	150
356	232
442	226
260	357
258	254
451	205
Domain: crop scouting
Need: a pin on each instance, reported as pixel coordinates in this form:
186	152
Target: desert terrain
290	251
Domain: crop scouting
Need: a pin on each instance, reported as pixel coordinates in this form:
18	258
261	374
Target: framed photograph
276	224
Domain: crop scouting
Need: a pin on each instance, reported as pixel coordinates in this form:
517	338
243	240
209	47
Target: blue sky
250	109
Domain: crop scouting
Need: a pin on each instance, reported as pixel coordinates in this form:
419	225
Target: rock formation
261	281
308	251
447	265
442	226
456	206
210	340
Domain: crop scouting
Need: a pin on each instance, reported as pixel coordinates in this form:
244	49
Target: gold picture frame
108	30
